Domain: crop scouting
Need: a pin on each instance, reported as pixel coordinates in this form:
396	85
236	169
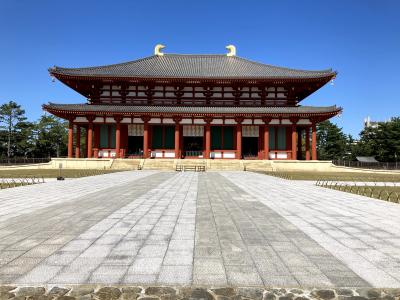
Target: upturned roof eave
60	76
50	108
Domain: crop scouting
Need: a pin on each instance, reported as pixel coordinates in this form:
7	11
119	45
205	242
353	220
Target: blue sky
358	38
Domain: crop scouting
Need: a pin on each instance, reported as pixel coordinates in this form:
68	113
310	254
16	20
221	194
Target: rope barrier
23	181
368	188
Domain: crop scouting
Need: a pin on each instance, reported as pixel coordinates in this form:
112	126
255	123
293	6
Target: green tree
351	145
3	143
12	117
25	140
52	136
331	141
382	142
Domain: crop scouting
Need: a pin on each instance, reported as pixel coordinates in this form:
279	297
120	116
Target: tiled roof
93	108
193	66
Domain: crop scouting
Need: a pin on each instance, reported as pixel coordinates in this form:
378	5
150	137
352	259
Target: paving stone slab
214	229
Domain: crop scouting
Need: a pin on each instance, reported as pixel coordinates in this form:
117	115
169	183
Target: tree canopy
19	138
331	141
382	141
13	125
52	136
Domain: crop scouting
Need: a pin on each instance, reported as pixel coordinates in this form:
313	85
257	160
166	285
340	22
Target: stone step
159	164
226	165
173	164
260	165
125	164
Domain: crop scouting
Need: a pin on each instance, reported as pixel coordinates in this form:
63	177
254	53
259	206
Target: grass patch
52	173
336	176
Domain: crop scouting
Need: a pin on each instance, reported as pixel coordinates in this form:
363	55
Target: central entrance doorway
193	141
135	145
192	146
135	140
250	136
249	147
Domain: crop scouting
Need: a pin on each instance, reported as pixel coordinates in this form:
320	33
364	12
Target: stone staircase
125	164
159	164
224	165
258	165
192	164
197	165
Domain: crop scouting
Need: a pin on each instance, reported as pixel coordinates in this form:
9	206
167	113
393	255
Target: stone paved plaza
199	229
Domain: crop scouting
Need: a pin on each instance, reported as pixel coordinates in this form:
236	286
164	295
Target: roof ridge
192	54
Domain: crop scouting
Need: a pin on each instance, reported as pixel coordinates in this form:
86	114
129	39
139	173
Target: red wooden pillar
307	143
239	140
260	139
89	138
124	139
70	138
288	132
118	138
78	142
96	140
84	152
266	120
294	121
314	142
208	140
294	144
299	144
177	141
181	140
145	137
266	142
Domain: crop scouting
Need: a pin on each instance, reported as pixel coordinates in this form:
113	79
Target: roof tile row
191	109
193	66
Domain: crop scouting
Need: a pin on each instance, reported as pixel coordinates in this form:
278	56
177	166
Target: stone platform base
203	293
210	164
